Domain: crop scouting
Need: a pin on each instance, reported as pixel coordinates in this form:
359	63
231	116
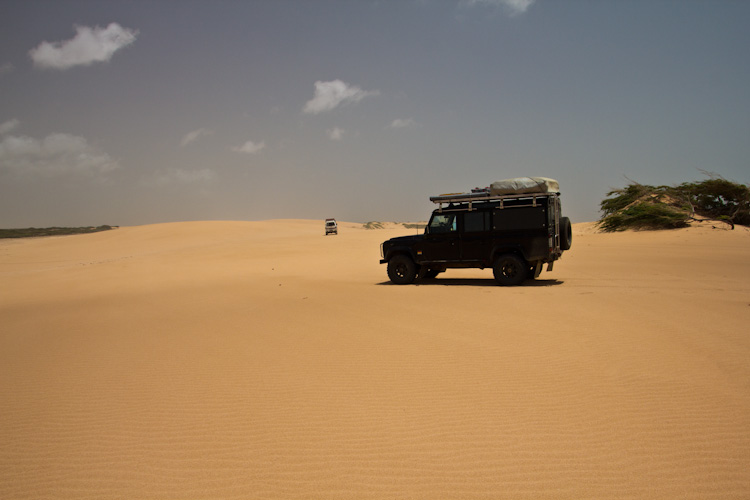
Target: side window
475	222
443	223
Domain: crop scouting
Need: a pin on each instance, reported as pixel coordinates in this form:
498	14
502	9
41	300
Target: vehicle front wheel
510	270
402	270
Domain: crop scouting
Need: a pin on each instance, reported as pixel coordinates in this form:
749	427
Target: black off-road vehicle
514	231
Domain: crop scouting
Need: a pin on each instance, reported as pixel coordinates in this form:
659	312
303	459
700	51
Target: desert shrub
619	199
373	225
645	215
639	206
31	232
720	199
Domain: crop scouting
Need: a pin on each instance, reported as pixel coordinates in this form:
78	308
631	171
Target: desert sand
265	360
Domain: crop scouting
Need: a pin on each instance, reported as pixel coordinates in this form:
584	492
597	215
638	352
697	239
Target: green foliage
719	199
645	215
621	198
31	232
639	206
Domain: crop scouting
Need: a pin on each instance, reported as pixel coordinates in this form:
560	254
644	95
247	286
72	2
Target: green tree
640	206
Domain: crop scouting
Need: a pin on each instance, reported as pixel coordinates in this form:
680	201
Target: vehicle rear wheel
401	270
510	270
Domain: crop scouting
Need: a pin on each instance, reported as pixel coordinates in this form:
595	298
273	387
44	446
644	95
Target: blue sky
137	112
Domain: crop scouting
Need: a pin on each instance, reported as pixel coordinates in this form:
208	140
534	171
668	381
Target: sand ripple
227	362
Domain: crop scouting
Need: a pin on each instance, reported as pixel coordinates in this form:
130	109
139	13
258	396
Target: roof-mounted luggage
519	187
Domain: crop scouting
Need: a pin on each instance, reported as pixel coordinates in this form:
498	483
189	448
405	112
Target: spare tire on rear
566	233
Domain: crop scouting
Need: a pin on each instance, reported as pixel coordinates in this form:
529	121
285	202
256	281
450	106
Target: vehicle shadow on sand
477	282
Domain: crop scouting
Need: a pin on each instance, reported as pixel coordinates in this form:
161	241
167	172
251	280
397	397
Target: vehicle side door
441	241
476	236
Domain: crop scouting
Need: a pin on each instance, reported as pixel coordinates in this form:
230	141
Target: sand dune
265	360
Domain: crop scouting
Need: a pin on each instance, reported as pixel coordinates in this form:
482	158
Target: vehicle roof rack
484	195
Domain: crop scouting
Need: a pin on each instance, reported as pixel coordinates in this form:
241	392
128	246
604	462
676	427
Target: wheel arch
392	252
504	249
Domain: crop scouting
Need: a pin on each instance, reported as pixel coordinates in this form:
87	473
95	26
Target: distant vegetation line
32	232
381	225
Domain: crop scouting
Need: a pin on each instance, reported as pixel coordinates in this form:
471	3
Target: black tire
401	270
566	233
510	270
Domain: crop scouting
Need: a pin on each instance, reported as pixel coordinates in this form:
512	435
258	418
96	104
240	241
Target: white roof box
522	185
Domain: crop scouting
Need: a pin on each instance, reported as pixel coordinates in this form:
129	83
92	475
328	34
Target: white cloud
171	176
195	135
249	147
515	7
329	95
88	46
54	156
402	123
335	133
8	126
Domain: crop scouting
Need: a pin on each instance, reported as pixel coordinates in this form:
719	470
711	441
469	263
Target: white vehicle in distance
331	227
